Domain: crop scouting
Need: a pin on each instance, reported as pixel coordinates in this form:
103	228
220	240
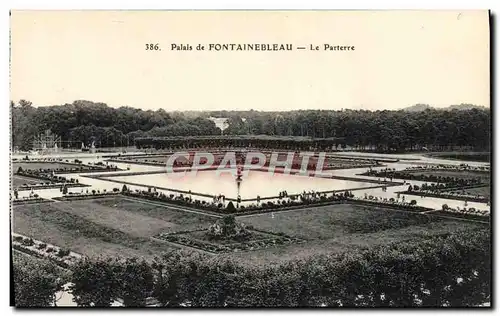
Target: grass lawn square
111	226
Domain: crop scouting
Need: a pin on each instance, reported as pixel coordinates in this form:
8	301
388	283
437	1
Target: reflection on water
255	183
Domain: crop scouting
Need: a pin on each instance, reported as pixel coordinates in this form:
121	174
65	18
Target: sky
400	58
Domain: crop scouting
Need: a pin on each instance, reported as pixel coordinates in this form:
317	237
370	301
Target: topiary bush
230	207
63	253
28	242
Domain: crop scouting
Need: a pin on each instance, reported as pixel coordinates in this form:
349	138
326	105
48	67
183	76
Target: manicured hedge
449	270
444	182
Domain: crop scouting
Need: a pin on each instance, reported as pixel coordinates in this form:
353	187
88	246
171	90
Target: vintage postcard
250	159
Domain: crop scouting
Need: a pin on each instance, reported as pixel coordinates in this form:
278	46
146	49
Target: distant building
220	122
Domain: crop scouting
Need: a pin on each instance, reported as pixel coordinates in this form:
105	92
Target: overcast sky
401	58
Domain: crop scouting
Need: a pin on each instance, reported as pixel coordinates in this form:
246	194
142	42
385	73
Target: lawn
119	226
343	227
18	181
172	218
110	226
337	220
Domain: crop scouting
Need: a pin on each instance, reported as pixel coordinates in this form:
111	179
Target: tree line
376	130
453	269
86	121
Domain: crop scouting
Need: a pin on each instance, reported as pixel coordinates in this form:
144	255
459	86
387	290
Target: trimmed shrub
28	242
63	253
230	207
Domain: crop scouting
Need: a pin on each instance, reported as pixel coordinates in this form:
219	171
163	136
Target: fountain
239	174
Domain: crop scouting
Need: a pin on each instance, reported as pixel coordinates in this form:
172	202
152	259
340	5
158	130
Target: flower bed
273	240
470	213
37	186
137	162
461	167
455	213
288	202
79	196
179	199
27	200
391	203
448	195
75	166
109	169
286	206
60	256
47	177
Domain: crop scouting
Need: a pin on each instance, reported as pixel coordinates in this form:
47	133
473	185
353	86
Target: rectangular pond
255	183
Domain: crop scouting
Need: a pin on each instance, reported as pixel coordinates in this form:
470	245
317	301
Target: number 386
152	47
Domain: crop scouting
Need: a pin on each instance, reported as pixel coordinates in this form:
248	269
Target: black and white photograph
250	158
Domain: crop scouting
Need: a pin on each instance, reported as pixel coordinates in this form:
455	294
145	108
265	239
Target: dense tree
96	282
175	277
35	282
136	281
85	121
379	130
452	269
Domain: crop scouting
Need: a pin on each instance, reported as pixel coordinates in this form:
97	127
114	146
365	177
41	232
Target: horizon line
361	107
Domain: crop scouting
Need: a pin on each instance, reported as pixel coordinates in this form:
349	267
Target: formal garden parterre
127	223
26	173
461	182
